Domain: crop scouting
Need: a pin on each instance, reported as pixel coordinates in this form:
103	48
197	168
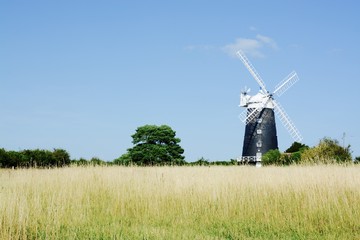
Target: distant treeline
328	151
34	158
39	158
203	162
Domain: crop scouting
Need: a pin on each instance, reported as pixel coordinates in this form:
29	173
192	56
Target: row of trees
158	145
43	158
34	158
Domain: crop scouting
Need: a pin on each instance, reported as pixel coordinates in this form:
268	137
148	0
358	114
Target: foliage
94	161
124	160
97	161
272	157
62	157
34	158
296	147
231	162
205	162
357	160
80	162
43	158
200	162
154	145
327	151
3	156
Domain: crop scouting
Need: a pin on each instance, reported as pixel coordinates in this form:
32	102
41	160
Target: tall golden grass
297	202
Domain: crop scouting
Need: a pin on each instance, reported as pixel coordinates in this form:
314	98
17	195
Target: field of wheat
239	202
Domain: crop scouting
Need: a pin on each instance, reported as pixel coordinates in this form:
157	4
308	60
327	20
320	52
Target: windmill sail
251	69
285	84
288	124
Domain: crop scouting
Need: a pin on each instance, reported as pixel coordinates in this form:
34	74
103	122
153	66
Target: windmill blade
243	115
251	69
247	116
285	84
288	124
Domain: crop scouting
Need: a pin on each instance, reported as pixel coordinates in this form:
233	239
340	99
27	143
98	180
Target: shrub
326	152
124	160
272	157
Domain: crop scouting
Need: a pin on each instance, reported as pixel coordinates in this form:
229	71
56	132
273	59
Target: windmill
259	116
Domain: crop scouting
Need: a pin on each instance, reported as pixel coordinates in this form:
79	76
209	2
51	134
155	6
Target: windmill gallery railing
248	159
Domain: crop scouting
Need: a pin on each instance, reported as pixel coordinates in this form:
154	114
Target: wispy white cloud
267	41
251	46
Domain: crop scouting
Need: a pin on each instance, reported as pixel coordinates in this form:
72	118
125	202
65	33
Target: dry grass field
239	202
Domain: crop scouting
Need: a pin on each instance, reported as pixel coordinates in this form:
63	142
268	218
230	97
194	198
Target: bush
123	160
97	162
326	152
201	162
80	162
272	157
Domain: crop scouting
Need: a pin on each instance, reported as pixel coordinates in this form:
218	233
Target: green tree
155	145
39	158
96	161
293	153
44	158
61	157
3	158
296	147
8	158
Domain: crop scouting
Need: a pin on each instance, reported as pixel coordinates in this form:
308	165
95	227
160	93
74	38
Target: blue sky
83	75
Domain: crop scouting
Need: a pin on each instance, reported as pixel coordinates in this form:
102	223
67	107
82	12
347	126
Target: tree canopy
296	147
154	145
